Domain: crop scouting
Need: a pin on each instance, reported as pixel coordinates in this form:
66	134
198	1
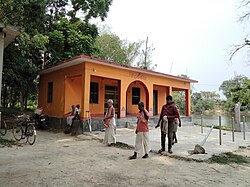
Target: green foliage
200	101
91	9
179	98
241	92
122	145
236	90
204	100
227	85
113	49
69	39
5	142
224	127
180	101
51	31
228	158
28	15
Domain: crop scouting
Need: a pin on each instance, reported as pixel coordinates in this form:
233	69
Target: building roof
11	33
84	58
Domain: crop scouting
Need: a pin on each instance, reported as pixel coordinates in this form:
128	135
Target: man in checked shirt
170	112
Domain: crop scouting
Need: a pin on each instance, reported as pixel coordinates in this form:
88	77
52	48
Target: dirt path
60	160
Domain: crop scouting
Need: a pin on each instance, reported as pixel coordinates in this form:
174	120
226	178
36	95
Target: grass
242	147
4	142
120	145
123	145
228	158
224	127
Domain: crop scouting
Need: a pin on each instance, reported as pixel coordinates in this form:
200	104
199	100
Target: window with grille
135	96
50	92
93	93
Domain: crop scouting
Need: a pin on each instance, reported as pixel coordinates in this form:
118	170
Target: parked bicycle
3	127
25	129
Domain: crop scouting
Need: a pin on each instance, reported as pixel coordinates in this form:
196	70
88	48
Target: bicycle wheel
31	134
18	132
3	128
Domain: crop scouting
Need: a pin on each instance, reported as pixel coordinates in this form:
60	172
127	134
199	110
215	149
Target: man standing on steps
168	112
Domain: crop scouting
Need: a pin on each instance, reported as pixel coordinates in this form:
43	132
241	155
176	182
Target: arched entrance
136	91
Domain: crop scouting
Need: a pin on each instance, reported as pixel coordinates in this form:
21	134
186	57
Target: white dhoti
110	133
142	142
164	125
69	120
176	124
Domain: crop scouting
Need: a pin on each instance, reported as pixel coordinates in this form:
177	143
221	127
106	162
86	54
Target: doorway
155	102
111	92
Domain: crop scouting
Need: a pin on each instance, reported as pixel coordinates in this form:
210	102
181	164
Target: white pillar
1	61
237	117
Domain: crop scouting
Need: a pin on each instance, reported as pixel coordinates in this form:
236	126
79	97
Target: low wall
80	126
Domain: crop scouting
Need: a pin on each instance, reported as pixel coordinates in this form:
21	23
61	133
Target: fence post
233	129
201	123
220	130
244	130
206	137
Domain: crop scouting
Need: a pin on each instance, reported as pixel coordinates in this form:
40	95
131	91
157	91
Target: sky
191	37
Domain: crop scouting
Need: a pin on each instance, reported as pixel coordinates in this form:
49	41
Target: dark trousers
170	136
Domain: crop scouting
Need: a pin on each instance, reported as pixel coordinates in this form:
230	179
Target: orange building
90	82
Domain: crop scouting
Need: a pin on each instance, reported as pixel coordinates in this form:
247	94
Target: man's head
72	106
110	102
140	105
169	99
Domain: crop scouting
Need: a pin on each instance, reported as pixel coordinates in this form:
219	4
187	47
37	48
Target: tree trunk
12	98
26	101
22	101
4	96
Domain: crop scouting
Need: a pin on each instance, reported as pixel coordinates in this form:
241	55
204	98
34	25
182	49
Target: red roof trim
85	57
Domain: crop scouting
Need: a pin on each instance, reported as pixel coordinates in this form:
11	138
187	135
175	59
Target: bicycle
89	120
3	127
24	129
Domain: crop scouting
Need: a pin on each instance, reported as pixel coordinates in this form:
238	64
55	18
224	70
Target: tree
236	90
18	78
145	57
28	15
227	85
69	39
245	4
180	101
90	8
50	32
180	98
204	100
113	49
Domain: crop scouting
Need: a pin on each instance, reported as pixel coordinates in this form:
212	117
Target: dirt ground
61	160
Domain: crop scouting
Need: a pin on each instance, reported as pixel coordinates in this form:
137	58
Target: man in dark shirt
171	112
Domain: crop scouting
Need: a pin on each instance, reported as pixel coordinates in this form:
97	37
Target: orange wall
162	93
92	72
128	76
57	107
98	109
133	109
73	92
